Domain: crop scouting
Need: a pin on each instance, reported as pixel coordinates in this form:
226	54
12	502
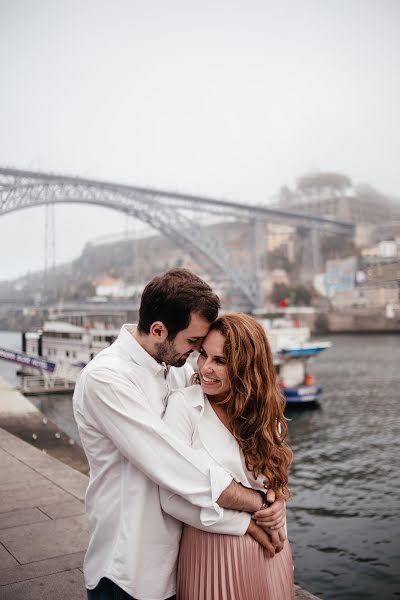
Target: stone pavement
42	525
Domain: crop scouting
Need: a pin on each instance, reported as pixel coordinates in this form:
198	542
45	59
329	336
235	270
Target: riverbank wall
20	417
352	321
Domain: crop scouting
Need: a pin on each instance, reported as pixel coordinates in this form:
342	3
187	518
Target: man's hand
262	538
274	516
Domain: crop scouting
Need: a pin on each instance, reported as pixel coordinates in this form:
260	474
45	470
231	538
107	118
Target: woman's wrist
251	527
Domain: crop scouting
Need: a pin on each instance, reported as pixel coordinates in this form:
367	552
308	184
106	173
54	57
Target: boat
292	351
62	348
53	356
70	347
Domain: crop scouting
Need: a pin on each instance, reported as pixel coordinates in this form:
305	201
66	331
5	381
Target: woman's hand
278	537
273	517
262	537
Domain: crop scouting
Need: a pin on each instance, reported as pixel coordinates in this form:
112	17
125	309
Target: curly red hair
254	405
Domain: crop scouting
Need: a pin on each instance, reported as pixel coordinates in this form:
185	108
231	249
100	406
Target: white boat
69	347
61	349
292	350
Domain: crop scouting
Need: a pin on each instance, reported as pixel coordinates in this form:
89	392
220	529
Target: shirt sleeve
232	522
120	412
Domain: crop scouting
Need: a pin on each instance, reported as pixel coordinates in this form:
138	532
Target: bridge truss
171	214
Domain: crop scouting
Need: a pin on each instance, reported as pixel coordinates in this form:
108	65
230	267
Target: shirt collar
195	396
138	354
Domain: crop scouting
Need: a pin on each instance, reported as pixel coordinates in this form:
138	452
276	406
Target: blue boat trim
302	393
302	351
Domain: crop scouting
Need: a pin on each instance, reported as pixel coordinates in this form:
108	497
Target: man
119	401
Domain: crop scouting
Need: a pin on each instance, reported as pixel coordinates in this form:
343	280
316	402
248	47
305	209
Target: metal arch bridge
165	211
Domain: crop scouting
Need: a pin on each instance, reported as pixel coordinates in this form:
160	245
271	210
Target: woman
236	415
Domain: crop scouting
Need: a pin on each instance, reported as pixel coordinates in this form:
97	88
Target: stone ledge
20	417
301	594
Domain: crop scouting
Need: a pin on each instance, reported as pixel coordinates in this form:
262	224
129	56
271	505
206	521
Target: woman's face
212	366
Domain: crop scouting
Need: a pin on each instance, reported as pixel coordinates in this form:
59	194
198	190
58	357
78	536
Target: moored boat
292	351
67	348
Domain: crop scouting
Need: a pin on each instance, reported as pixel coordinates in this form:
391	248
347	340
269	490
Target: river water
344	519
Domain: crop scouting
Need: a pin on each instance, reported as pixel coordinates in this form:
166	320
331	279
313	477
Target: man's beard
166	353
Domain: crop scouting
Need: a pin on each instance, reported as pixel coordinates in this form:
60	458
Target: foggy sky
224	98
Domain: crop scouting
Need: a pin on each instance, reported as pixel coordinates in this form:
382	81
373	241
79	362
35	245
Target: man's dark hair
172	297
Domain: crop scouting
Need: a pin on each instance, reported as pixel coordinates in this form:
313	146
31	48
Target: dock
36	385
43	530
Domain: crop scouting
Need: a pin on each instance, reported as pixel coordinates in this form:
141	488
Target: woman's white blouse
193	420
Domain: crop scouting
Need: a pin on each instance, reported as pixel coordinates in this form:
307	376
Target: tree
297	295
301	296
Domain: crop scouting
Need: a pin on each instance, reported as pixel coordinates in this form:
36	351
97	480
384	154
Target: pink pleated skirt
213	566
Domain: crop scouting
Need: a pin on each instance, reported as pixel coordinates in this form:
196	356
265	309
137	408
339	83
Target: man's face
177	351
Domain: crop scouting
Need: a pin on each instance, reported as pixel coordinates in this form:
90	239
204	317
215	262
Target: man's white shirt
119	400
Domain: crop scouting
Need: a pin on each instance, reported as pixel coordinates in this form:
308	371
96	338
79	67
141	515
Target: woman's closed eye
220	361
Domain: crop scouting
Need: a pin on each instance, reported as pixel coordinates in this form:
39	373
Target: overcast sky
225	98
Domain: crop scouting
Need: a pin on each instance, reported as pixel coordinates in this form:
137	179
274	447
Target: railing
37	384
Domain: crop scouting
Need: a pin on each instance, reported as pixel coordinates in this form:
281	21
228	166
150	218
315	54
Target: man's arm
238	497
114	405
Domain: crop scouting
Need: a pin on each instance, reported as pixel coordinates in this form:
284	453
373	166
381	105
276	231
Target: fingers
262	538
271	524
273	517
276	509
267	520
268	546
269	549
270	519
275	539
278	539
271	496
282	534
267	514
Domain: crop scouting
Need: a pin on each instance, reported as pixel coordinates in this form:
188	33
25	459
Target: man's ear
158	331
